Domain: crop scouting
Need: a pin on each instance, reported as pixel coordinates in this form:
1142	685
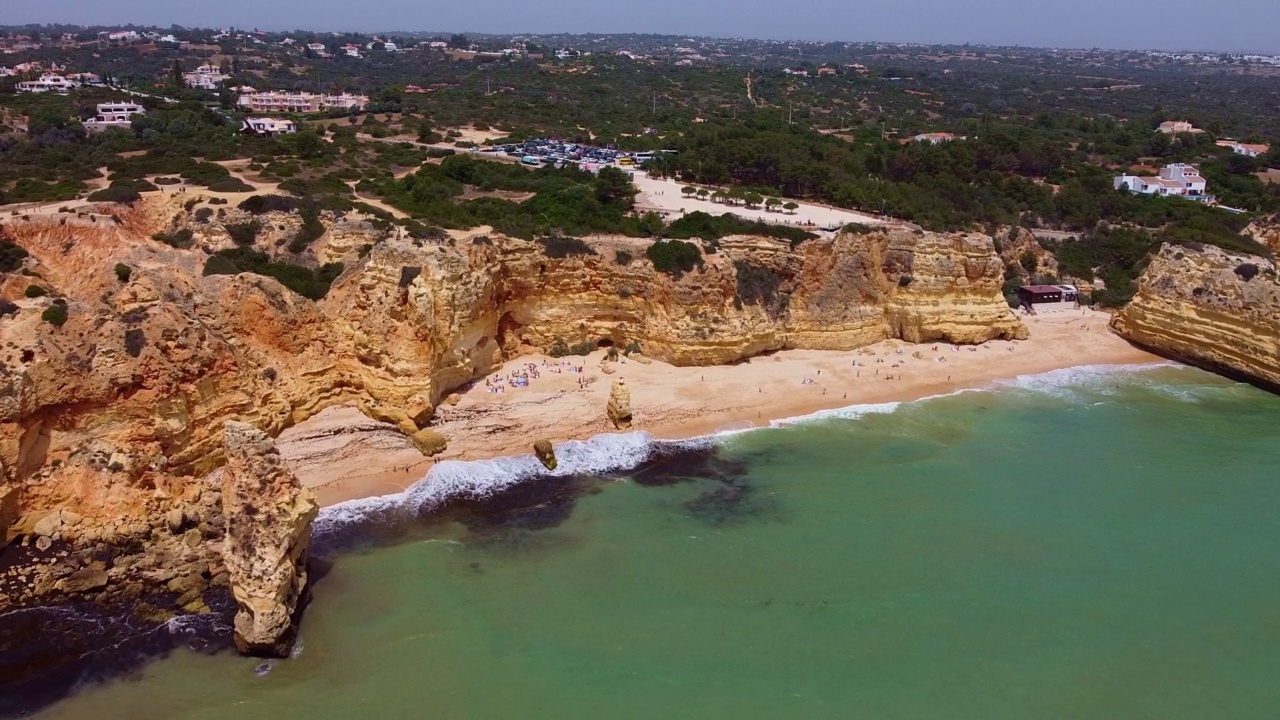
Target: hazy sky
1243	25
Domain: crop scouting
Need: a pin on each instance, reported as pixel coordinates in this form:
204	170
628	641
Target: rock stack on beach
619	407
268	517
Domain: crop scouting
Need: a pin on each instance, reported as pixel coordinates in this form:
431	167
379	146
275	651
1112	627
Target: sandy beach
344	455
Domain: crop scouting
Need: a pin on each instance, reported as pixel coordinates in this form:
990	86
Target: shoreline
344	456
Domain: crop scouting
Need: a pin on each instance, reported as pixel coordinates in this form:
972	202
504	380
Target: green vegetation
562	247
309	283
180	239
760	286
117	192
562	349
708	227
565	200
244	234
674	257
35	291
311	230
123	272
12	254
55	314
230	185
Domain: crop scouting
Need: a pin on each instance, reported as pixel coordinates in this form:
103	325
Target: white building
48	83
114	115
269	126
1175	127
1245	149
1177	180
299	102
935	138
205	77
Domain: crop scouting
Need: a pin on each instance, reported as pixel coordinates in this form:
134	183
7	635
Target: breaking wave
615	453
478	479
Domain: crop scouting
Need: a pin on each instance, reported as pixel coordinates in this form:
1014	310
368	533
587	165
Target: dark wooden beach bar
1036	294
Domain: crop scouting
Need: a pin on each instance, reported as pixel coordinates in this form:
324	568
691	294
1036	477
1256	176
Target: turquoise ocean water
1094	543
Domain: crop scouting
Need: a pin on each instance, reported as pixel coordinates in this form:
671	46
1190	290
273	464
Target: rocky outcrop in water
1210	308
268	529
619	407
546	453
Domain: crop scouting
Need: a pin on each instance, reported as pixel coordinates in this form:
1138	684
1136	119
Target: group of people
528	372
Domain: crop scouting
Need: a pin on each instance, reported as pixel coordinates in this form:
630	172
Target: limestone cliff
1209	308
1265	230
268	528
123	406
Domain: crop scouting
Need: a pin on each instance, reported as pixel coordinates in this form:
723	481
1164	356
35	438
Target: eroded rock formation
268	529
619	407
1209	308
120	411
546	453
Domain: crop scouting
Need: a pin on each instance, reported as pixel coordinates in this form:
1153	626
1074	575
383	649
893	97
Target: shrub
123	272
674	257
116	194
11	255
220	265
230	185
408	275
134	341
217	201
35	291
203	214
622	257
180	239
562	247
312	229
709	228
260	204
307	282
55	315
1246	271
632	347
244	234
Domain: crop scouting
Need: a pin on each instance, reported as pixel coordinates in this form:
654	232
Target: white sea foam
482	478
852	412
615	452
1070	383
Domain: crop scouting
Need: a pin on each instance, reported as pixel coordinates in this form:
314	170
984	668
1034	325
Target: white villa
935	138
1177	179
274	101
113	115
270	127
206	77
1245	149
1175	127
48	83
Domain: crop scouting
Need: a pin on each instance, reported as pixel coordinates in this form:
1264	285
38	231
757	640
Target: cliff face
268	518
124	405
1209	308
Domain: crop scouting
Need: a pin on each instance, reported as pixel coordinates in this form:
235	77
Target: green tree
175	74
